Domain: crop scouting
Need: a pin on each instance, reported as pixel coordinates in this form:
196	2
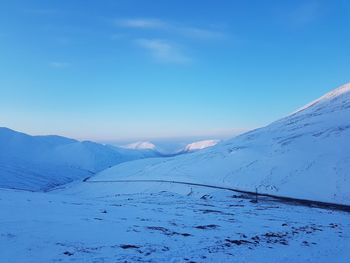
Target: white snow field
305	155
41	162
164	222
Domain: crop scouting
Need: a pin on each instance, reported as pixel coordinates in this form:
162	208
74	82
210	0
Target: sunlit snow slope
305	155
200	145
40	162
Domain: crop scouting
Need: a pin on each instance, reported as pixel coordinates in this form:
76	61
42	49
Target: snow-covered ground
161	222
305	155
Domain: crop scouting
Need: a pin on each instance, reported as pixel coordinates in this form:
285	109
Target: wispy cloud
59	65
163	51
141	23
175	28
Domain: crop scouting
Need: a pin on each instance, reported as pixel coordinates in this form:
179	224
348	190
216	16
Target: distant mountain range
141	145
191	147
41	162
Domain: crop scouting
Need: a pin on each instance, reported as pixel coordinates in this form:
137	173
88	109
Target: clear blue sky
111	70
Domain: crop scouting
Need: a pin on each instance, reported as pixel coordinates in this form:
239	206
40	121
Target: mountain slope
41	162
304	155
200	145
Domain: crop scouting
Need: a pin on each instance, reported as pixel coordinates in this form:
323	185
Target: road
255	196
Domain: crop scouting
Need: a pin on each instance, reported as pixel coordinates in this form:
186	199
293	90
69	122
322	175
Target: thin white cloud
141	23
59	65
158	24
163	51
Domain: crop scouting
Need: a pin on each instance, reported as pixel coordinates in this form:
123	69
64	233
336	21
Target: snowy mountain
177	149
120	215
304	155
200	145
40	162
141	146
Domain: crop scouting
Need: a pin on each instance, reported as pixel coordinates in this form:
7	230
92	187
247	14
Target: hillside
303	155
41	162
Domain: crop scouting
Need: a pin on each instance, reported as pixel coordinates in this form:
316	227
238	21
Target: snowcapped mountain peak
338	91
141	145
200	145
334	94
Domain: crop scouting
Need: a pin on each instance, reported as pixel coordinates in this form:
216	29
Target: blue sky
118	70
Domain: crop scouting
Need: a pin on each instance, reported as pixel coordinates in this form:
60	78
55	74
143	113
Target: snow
157	222
41	162
304	155
167	149
115	217
200	145
141	145
328	97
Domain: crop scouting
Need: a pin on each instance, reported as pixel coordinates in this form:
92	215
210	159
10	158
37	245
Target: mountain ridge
44	161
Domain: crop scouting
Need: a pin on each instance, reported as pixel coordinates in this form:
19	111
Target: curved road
249	194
